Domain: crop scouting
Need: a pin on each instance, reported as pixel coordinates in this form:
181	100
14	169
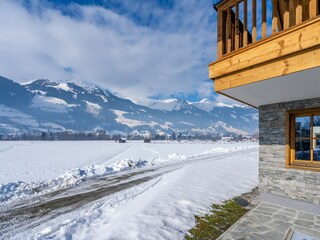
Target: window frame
291	139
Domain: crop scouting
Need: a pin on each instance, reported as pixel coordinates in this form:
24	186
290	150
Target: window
304	138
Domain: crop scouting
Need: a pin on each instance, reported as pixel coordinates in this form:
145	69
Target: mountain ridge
45	105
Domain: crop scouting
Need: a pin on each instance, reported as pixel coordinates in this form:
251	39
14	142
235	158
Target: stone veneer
275	178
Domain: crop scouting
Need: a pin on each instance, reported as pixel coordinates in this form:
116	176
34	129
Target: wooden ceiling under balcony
282	37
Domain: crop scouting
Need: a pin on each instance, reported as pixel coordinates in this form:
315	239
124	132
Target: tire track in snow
26	216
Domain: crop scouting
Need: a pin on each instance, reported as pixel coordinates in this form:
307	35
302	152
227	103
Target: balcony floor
277	222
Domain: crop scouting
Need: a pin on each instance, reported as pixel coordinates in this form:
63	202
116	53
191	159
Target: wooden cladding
243	22
289	51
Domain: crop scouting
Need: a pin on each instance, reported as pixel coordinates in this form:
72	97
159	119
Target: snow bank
226	150
70	178
212	152
176	156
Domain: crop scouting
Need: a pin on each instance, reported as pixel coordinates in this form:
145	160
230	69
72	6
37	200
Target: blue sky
148	48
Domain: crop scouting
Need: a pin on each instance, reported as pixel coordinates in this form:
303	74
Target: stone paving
272	222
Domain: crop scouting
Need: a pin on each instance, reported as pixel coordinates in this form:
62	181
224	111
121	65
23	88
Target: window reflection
302	149
316	150
303	127
316	126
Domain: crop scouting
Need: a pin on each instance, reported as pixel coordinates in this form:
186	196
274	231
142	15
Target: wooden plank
237	27
305	112
306	168
311	145
254	21
282	44
298	6
220	34
292	141
296	62
224	32
279	16
313	8
233	30
229	30
264	18
286	19
245	23
288	139
274	16
305	10
228	4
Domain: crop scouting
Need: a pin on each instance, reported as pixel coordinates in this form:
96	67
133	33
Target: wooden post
237	27
313	8
219	34
224	32
274	16
245	23
288	158
254	21
298	6
229	30
286	19
264	18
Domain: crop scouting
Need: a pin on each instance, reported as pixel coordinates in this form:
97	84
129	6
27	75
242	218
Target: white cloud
227	101
205	89
110	49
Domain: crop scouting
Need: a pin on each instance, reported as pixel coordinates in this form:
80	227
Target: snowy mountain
44	105
176	104
170	104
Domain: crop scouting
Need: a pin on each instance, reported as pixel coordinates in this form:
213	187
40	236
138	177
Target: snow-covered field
149	191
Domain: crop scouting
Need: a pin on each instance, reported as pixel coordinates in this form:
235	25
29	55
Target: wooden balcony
264	39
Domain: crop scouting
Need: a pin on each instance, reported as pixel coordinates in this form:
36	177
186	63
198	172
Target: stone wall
275	178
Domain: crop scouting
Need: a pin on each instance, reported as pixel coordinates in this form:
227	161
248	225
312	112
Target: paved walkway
273	222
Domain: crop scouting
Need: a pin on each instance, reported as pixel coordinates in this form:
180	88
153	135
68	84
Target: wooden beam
254	21
264	18
286	19
245	23
296	62
284	43
274	16
298	6
229	30
237	28
313	8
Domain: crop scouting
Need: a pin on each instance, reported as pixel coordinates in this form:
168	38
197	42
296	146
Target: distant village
145	136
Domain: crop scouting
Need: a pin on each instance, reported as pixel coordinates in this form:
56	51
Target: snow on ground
42	161
162	208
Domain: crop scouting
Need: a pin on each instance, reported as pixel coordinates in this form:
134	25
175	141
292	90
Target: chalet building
268	56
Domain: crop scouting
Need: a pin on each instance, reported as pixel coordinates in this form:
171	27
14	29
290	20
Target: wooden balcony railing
243	22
